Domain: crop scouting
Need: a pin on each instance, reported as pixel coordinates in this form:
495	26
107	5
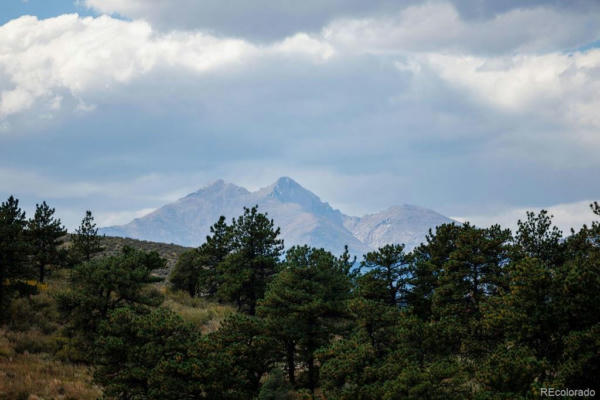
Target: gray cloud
257	20
267	20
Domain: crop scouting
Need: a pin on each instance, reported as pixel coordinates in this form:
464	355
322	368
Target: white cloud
519	82
41	59
81	55
301	43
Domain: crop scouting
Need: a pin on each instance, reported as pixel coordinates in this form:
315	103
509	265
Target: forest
471	313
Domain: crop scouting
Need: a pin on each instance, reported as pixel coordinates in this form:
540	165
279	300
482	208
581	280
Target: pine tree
43	232
185	274
149	355
242	341
13	248
103	285
388	266
276	387
86	241
537	237
473	271
426	265
211	254
304	306
252	262
196	271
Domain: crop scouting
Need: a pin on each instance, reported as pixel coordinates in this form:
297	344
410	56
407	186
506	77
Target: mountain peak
286	181
286	185
218	186
288	190
303	217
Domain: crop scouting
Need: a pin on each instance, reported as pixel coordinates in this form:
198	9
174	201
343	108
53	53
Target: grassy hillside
34	353
113	245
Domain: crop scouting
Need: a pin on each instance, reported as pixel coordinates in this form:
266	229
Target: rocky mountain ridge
302	216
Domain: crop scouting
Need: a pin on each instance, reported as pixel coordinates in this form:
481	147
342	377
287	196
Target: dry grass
31	376
28	367
201	312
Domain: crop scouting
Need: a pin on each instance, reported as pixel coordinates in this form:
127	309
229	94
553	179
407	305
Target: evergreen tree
185	274
389	267
276	387
252	262
13	249
86	241
242	343
472	272
104	284
218	245
43	232
304	306
537	237
197	270
149	356
427	261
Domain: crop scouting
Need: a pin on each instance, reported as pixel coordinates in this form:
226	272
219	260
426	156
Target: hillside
112	245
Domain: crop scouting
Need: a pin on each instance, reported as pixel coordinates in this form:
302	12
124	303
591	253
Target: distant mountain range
301	215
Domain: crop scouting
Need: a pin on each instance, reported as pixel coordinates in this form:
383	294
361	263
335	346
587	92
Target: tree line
471	313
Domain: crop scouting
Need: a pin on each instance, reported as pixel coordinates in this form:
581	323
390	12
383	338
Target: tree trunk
311	375
291	365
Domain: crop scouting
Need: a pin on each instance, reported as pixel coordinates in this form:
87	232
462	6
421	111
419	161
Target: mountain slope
406	224
301	215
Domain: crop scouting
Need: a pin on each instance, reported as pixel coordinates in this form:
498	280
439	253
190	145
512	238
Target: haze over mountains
301	215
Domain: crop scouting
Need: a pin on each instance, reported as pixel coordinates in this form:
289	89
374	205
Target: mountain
301	215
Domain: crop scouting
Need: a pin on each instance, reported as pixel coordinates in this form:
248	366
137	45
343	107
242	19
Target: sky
478	109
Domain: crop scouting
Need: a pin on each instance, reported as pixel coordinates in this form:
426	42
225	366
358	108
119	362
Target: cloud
425	103
438	26
488	27
80	55
150	187
520	83
261	20
44	60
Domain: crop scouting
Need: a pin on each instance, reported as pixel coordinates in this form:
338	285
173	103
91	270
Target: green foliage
185	274
102	285
426	266
13	250
304	306
580	364
524	312
242	343
252	262
276	387
43	231
536	237
472	272
387	275
196	271
510	371
470	314
147	356
86	242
